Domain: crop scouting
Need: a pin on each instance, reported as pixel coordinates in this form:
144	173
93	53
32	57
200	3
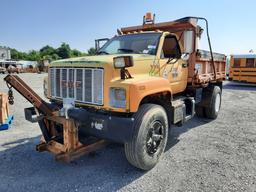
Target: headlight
122	62
117	97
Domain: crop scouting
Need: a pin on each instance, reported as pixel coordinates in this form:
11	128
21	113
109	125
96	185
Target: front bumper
111	127
105	126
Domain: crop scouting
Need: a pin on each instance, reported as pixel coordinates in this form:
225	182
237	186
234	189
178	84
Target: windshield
143	43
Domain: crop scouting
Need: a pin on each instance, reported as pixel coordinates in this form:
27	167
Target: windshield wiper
127	50
104	52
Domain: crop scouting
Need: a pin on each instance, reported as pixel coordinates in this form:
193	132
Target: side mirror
188	42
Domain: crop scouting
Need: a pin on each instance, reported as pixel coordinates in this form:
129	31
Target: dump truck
142	81
243	68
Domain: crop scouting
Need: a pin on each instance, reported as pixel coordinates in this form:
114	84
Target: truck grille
83	84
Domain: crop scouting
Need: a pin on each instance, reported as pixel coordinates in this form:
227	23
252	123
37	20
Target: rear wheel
210	105
149	138
200	111
214	103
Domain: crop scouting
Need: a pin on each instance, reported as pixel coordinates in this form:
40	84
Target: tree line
50	53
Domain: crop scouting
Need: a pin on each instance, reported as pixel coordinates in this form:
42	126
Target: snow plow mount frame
65	144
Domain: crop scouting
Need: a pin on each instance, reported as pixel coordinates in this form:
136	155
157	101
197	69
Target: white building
5	53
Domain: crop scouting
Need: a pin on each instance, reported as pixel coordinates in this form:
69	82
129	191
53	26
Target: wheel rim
217	103
154	137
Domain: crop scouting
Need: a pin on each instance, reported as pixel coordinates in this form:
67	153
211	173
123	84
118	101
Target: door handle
184	65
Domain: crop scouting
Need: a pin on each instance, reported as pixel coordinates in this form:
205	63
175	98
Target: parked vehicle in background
14	69
243	68
2	70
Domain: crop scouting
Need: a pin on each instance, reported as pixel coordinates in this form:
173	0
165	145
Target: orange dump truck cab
141	82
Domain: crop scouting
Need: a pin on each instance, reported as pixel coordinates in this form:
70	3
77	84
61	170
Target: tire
142	151
200	111
213	103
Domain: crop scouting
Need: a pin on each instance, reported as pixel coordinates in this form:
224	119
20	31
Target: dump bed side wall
201	70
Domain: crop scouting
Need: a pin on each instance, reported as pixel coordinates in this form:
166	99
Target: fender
141	89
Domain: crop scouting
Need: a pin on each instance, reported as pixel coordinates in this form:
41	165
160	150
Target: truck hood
97	61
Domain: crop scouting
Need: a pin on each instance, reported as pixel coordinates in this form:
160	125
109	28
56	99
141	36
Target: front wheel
149	137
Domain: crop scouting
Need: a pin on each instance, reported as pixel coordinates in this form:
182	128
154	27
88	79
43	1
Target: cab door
172	67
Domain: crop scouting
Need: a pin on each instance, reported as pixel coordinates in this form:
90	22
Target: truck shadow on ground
105	170
175	132
231	85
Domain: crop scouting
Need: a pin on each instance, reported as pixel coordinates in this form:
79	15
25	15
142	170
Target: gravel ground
202	155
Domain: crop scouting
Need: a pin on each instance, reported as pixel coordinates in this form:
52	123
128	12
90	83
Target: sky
32	24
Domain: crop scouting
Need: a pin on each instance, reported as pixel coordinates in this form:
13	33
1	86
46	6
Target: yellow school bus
243	68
